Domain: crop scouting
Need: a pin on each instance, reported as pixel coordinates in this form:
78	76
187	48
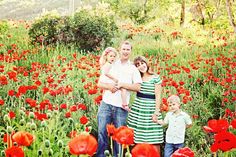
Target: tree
230	15
182	15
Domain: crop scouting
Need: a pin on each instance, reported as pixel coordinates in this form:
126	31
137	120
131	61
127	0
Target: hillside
29	9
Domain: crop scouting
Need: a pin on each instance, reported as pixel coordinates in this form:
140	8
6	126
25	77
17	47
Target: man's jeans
108	114
171	148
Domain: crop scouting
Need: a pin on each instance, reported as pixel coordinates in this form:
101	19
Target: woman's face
142	66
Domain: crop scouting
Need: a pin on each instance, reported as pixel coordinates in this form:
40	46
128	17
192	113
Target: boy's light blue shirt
176	126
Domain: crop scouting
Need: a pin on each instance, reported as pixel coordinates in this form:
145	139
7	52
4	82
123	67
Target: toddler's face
173	106
111	57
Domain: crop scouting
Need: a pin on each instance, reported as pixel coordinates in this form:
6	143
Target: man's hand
113	88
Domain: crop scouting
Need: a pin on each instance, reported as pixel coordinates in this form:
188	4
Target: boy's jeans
171	148
108	114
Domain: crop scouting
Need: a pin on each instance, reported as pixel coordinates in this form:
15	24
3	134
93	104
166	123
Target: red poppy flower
23	138
11	92
67	114
224	141
14	152
73	108
111	129
124	135
63	106
1	102
233	123
83	144
3	80
45	90
216	126
11	114
183	152
144	150
92	91
82	107
98	99
83	120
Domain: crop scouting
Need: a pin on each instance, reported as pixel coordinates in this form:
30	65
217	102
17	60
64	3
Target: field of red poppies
49	97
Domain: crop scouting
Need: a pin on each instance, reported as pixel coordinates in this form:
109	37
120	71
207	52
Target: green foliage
46	30
91	32
4	26
85	30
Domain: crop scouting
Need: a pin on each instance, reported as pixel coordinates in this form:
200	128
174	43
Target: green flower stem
122	150
111	146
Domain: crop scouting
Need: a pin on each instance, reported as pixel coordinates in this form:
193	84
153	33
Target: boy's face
173	106
125	51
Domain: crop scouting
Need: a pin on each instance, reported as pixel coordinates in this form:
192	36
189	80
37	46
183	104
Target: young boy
177	122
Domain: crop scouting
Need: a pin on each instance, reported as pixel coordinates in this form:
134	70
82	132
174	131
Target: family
118	77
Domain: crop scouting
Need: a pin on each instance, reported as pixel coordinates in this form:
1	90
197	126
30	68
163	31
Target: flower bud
40	152
60	143
50	153
55	138
107	153
44	124
28	124
22	122
49	115
71	120
9	129
127	154
22	113
33	126
31	115
2	153
47	143
6	118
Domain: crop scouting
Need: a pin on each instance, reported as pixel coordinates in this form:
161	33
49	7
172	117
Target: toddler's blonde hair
103	58
174	98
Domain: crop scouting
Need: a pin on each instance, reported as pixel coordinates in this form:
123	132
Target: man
111	111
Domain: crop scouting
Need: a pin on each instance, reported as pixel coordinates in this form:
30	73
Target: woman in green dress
146	107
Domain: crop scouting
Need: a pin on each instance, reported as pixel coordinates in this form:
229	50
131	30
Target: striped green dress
140	116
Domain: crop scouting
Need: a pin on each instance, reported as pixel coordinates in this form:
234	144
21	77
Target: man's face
125	51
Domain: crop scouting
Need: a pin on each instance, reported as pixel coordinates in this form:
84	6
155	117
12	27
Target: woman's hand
154	118
113	88
119	85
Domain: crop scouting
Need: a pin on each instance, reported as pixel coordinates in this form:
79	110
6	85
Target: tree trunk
230	14
201	14
182	15
144	8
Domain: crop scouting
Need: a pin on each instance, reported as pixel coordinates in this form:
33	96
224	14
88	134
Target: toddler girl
107	58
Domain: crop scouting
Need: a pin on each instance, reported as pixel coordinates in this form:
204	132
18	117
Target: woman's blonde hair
103	57
142	59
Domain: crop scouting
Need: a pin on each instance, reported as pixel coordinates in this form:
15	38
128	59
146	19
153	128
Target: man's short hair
126	42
